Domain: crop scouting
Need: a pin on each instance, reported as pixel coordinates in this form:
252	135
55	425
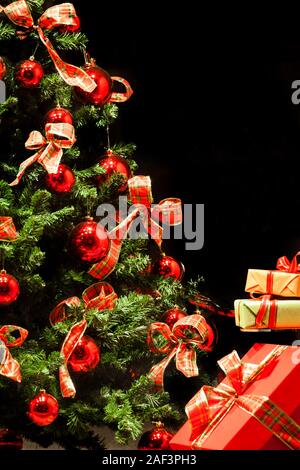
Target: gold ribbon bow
58	136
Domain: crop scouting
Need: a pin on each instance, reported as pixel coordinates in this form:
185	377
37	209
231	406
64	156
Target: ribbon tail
156	373
11	368
50	158
73	76
75	334
23	167
155	231
105	267
186	361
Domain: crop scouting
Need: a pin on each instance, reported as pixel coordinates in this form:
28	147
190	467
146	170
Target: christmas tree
83	295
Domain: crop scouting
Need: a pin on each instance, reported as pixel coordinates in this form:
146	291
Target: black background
214	122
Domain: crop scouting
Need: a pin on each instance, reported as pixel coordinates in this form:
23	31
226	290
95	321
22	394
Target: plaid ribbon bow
186	334
101	296
210	405
64	14
284	264
8	231
9	367
58	136
168	212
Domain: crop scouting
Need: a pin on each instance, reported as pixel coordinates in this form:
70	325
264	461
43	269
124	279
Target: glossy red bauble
43	409
2	68
86	355
102	92
71	28
89	241
61	182
9	289
29	74
172	316
156	439
10	440
112	163
59	115
167	266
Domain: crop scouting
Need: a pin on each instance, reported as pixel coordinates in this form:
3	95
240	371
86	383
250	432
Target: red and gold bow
168	212
19	13
8	231
284	264
210	405
9	367
186	334
101	296
58	136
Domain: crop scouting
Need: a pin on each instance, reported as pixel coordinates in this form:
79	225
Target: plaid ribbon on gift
64	14
101	296
58	136
210	405
8	231
140	195
284	264
118	97
9	367
187	334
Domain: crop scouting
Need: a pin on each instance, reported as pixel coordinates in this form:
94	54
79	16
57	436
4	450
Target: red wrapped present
256	407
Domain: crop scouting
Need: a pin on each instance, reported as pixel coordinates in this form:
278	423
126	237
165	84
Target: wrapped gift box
285	316
239	430
279	283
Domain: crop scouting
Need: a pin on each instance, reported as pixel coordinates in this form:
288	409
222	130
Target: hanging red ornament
59	115
172	316
43	409
61	182
157	438
9	288
112	163
89	241
102	92
10	440
29	73
167	266
86	355
71	28
2	68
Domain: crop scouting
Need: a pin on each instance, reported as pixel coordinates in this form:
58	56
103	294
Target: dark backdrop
214	123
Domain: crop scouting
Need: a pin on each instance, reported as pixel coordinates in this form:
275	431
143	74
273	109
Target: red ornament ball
61	182
9	289
43	409
2	68
112	163
10	440
71	28
102	92
156	439
167	266
59	115
29	74
172	316
89	241
86	355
